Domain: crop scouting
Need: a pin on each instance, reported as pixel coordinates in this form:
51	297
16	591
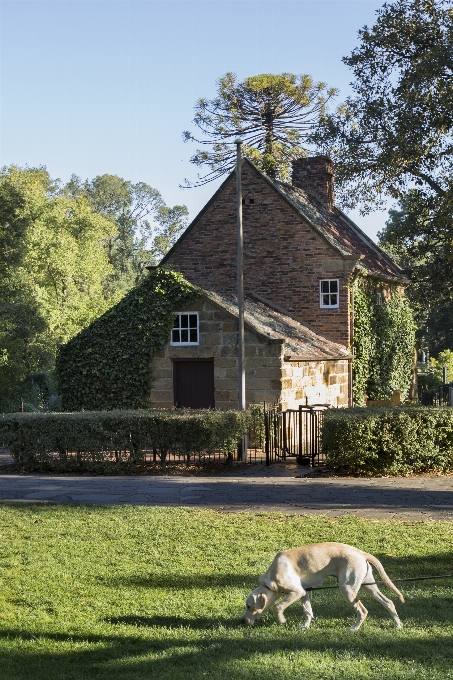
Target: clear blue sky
106	86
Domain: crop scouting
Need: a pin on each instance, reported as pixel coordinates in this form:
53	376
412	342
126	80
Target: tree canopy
271	114
393	137
142	220
67	254
53	273
394	132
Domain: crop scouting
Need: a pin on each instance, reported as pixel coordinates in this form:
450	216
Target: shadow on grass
396	568
131	657
181	581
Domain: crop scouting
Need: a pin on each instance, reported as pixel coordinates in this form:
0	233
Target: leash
396	580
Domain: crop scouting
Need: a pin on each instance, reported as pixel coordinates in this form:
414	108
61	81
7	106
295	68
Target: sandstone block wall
219	340
315	382
268	377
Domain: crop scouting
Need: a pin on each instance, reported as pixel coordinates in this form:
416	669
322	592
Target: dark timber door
193	383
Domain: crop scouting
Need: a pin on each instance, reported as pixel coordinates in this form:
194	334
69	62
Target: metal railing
441	396
295	433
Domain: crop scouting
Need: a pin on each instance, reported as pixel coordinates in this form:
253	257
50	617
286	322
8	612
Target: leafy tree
172	222
145	227
433	376
52	274
394	133
271	114
393	136
418	240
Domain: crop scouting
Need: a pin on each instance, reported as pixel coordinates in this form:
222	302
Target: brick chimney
315	175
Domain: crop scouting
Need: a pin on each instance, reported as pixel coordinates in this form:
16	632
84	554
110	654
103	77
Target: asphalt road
256	490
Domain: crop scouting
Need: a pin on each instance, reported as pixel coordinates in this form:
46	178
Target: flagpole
240	290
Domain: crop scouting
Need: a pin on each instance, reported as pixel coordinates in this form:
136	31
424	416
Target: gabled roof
336	227
299	341
340	231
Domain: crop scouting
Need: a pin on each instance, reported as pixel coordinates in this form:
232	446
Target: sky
89	87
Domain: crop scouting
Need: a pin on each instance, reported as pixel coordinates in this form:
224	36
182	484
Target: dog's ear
260	602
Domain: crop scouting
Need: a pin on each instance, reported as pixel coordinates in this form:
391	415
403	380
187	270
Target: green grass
137	593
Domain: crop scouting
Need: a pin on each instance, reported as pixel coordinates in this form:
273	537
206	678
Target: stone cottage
301	254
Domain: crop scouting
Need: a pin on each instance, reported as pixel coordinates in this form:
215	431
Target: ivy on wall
384	339
107	365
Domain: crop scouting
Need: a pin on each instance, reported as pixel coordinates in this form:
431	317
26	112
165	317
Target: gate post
267	437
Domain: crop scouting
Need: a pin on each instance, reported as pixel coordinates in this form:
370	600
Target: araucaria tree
271	114
393	137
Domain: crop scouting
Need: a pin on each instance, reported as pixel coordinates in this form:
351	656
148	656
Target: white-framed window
329	293
185	329
379	298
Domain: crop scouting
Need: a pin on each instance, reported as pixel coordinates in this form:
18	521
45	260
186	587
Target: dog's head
257	602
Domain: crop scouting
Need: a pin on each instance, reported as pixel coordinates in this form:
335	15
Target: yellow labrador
294	571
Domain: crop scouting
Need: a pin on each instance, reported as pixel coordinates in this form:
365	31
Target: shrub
100	439
389	440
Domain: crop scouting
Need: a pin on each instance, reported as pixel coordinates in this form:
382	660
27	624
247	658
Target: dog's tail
375	562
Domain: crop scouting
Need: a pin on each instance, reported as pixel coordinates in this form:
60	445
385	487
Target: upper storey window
329	293
185	329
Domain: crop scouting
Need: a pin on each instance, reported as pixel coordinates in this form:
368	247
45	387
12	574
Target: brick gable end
284	257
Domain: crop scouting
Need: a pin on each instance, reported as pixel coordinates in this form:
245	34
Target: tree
172	222
393	137
394	133
143	232
271	114
415	238
52	273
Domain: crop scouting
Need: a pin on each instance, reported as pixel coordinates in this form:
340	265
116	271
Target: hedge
390	441
99	440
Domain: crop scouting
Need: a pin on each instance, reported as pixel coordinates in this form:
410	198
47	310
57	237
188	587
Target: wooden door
193	383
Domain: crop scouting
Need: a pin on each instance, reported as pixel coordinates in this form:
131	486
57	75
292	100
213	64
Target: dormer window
185	329
329	293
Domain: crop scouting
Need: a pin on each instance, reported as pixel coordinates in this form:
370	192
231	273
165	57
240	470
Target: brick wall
315	175
284	258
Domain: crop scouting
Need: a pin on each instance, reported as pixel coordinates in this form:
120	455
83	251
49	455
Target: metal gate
295	433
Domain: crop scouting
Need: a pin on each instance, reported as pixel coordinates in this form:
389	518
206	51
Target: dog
295	571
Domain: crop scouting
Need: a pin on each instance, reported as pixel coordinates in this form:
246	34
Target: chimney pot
315	175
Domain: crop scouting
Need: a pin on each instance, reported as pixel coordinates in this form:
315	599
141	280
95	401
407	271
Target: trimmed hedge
99	440
390	441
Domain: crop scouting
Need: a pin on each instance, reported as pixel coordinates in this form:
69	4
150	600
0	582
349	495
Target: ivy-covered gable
107	365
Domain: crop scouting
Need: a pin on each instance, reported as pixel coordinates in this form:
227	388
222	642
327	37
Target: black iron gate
295	433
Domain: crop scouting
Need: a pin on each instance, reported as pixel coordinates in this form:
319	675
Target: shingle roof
299	340
339	231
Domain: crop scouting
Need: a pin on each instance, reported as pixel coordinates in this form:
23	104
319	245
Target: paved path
257	489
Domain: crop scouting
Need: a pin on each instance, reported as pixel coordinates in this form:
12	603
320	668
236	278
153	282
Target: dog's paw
398	625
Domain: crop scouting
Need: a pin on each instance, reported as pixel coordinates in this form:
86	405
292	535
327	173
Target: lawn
137	593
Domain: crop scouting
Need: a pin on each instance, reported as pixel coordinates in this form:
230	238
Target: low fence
97	440
441	396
